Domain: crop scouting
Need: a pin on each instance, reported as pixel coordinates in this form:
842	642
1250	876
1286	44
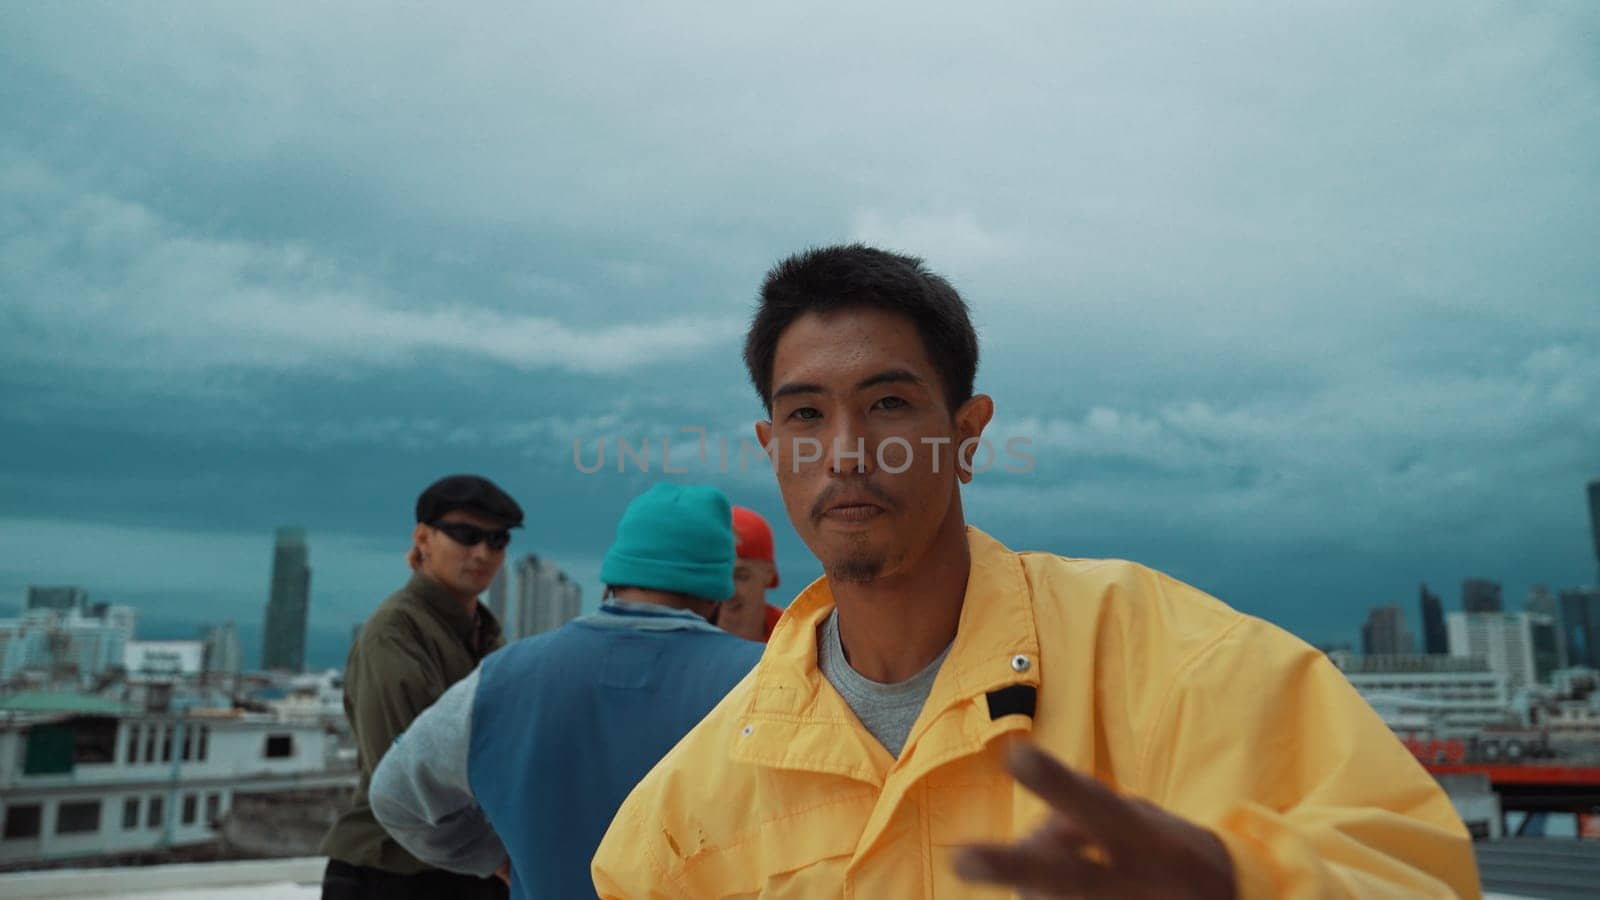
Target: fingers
1094	808
1043	866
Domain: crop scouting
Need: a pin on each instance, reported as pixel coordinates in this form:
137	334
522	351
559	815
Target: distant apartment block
63	644
1518	646
1385	632
1429	693
221	654
61	599
1481	595
545	599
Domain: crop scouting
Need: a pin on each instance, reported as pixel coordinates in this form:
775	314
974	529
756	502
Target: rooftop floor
1523	869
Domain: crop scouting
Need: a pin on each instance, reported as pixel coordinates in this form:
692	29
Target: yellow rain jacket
1157	689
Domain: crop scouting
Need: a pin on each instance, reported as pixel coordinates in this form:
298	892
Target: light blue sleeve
420	793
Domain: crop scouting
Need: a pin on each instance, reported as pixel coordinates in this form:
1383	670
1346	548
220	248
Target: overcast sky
1301	305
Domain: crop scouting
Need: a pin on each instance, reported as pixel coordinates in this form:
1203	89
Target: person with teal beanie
519	768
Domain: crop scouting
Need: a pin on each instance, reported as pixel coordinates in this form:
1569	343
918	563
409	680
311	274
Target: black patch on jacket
1018	698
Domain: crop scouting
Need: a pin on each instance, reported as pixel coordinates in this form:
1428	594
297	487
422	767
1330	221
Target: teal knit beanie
675	538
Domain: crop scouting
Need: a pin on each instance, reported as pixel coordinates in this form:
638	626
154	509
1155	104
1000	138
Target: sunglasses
468	535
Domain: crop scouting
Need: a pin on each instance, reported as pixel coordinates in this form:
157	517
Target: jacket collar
616	613
443	605
795	719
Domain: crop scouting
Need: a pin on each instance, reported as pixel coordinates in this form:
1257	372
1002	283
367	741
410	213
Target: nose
848	449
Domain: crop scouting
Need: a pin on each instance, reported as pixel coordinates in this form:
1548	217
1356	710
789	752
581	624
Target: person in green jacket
425	637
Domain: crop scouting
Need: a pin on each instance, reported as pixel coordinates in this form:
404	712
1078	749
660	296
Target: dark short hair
848	276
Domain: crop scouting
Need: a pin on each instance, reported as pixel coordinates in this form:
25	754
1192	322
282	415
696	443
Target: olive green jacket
416	644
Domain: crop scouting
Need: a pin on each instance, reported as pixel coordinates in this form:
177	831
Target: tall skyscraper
546	598
1544	641
1480	595
1434	637
1594	523
64	598
1580	626
1543	610
1385	632
283	639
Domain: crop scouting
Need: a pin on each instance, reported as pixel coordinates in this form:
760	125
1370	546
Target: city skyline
1388	625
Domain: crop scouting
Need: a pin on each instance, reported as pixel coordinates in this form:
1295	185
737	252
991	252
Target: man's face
464	571
860	380
745	614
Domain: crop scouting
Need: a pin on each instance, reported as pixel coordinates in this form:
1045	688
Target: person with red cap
748	614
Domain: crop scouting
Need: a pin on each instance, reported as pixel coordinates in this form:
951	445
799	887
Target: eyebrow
888	376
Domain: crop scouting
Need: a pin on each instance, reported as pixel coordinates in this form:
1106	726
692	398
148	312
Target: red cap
754	537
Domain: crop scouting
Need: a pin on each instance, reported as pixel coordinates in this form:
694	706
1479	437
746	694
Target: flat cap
472	493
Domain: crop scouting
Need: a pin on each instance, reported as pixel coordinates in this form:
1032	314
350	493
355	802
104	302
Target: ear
765	439
971	418
419	545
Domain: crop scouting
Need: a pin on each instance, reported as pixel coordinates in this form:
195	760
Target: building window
166	744
22	821
280	746
130	813
94	740
150	744
78	817
213	808
133	744
205	739
154	813
188	743
191	808
49	750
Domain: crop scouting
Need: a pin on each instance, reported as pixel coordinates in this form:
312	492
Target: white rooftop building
83	776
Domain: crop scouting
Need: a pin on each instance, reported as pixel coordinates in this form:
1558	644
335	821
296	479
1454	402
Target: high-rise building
1549	646
64	598
1434	638
546	598
1594	523
283	639
1544	641
1580	626
222	655
123	618
1385	632
1480	595
1505	640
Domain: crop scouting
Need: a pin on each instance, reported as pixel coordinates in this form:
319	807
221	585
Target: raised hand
1097	843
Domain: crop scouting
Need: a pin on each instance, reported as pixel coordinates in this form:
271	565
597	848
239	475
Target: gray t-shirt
887	710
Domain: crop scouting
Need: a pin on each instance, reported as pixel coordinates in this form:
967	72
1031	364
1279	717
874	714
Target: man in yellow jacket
942	717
